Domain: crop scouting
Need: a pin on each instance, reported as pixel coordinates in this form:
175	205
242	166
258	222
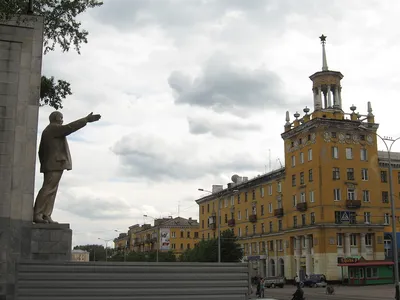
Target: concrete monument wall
20	74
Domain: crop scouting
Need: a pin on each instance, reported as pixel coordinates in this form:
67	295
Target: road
381	292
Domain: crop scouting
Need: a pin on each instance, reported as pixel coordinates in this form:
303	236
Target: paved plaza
381	292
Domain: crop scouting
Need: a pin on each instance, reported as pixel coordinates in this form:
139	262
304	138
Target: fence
133	281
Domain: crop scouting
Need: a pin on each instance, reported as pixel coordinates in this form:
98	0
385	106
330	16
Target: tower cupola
326	85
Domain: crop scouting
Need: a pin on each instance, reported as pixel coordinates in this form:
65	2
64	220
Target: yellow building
174	234
122	241
330	200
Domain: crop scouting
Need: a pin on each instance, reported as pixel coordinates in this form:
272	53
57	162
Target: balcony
302	206
353	203
253	218
212	226
278	212
136	240
231	222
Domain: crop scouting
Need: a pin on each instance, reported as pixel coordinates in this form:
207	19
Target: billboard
165	236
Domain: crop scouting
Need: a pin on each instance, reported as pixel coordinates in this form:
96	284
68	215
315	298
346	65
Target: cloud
219	128
224	87
93	205
156	158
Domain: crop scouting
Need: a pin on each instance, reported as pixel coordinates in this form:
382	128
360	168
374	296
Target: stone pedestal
21	43
51	242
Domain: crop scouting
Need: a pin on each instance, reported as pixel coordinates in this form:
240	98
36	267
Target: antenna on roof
279	162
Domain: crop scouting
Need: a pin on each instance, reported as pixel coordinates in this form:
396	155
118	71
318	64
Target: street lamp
158	235
392	207
219	221
106	241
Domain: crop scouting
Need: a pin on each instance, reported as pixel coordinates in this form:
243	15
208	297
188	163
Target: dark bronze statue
54	157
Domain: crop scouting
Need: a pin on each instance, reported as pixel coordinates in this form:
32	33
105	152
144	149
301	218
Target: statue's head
56	118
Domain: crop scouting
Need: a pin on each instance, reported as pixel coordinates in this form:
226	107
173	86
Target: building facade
331	200
167	234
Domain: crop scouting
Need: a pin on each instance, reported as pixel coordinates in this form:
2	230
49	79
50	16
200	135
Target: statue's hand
92	118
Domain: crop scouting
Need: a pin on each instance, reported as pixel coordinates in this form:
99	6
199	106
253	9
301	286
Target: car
315	280
272	282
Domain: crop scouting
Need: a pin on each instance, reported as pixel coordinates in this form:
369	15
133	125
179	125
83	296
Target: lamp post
106	241
158	236
219	221
392	208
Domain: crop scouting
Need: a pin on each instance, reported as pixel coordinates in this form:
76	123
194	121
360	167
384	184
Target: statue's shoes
39	219
49	220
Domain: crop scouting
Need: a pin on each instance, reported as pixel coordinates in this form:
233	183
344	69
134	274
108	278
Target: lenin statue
54	157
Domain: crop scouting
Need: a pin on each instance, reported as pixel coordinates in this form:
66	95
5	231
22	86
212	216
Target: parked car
272	282
315	280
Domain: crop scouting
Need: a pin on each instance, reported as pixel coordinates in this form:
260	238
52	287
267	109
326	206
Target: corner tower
326	87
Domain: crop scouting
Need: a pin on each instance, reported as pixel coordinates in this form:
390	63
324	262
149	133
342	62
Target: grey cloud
224	87
220	128
96	206
154	159
180	16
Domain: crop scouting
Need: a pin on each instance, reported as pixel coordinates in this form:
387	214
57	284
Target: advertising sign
165	237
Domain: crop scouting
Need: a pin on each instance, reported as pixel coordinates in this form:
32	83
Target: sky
194	91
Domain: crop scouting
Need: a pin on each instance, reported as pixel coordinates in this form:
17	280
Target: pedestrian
262	288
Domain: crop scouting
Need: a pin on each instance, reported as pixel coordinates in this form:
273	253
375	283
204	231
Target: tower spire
324	62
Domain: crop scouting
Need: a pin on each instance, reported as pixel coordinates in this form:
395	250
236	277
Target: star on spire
323	38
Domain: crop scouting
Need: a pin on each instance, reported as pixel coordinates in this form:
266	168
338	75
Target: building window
271	226
349	153
246	230
245	197
181	246
202	210
238	198
351	194
310	175
280	225
311	196
301	178
366	197
173	246
372	272
368	239
226	202
262	228
188	246
262	210
335	173
188	234
367	217
279	204
338	217
202	223
386	219
294	221
173	234
363	154
385	197
293	160
226	218
279	187
339	239
353	239
196	235
239	232
294	200
293	180
280	245
239	215
232	200
335	152
364	174
247	213
270	189
254	228
262	192
309	154
182	233
302	197
303	220
270	207
312	218
398	177
383	176
350	174
301	157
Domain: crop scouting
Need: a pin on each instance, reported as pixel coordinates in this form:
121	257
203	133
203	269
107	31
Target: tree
96	252
207	250
60	28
